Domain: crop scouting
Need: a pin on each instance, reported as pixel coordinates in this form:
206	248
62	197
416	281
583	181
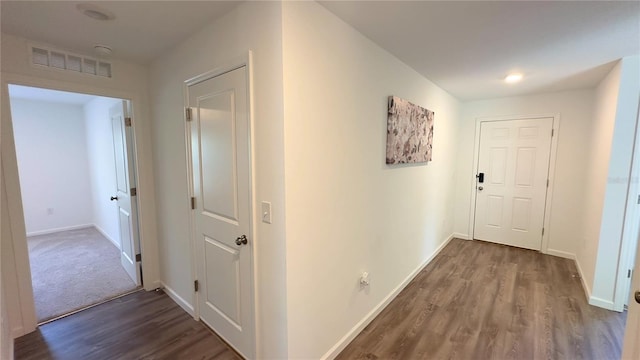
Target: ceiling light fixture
102	50
95	12
513	78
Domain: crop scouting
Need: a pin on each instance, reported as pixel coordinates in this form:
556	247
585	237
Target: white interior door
510	198
220	140
125	180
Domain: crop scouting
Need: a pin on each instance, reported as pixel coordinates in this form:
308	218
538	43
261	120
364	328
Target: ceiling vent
41	56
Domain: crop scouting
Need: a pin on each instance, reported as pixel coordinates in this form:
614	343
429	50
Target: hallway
478	300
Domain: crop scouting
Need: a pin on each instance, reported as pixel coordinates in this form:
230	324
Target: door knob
242	240
637	296
114	198
480	188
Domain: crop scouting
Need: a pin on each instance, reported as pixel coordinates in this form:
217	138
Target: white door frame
232	64
14	199
552	166
629	238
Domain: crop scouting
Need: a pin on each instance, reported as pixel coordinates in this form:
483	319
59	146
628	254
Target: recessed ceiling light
513	78
95	12
102	50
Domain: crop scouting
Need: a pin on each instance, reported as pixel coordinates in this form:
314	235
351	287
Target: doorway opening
77	180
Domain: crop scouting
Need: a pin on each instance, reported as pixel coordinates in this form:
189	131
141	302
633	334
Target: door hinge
547	182
629	273
552	131
127	122
196	285
187	113
134	192
193	203
138	257
638	199
542	231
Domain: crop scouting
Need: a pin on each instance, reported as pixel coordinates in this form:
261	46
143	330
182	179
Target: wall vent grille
41	56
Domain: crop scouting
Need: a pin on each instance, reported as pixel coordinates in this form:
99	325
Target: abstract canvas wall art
409	132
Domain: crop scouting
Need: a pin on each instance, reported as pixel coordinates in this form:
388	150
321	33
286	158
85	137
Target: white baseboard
585	286
17	331
104	233
562	254
594	300
178	299
51	231
605	304
351	334
461	236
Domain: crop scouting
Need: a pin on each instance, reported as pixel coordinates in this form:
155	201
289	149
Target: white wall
575	110
599	153
256	26
99	138
618	130
53	165
128	81
347	211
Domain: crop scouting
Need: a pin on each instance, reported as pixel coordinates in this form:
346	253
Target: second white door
125	191
511	185
220	150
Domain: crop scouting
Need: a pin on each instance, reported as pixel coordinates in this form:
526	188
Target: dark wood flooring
475	300
479	300
142	325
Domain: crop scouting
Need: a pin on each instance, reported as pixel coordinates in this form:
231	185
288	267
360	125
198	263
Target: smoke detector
102	50
95	12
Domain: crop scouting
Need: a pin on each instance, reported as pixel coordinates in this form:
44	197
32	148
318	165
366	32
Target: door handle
114	198
636	295
241	240
480	188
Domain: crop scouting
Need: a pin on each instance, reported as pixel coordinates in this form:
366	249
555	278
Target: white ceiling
468	47
464	47
141	31
55	96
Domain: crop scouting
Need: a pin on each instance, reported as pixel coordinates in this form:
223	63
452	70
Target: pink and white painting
409	132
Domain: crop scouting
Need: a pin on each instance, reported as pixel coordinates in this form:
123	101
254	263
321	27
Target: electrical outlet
364	279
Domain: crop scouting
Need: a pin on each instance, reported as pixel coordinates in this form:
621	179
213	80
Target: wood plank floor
142	325
479	300
474	301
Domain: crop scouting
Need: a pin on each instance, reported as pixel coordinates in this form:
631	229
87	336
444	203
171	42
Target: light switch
266	212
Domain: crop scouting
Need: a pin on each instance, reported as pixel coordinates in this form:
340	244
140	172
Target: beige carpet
74	269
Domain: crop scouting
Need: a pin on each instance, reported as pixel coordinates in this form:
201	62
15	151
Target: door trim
629	240
146	218
244	60
552	166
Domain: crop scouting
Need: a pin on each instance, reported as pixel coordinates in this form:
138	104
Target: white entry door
220	140
125	190
511	184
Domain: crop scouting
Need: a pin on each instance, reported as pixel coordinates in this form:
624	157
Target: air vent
56	59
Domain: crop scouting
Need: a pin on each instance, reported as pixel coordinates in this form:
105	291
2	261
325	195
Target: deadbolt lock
637	296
